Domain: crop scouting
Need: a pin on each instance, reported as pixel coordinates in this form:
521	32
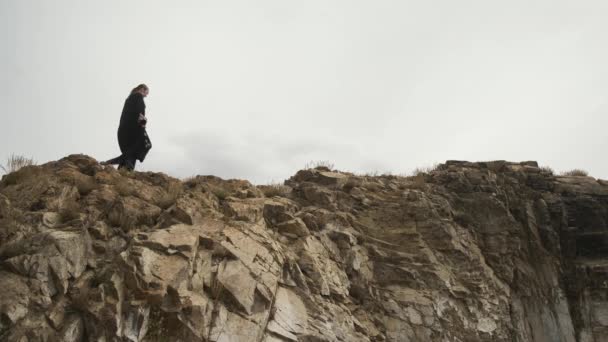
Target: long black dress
133	139
132	136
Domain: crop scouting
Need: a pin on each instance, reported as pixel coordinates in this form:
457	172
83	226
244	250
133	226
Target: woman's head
142	89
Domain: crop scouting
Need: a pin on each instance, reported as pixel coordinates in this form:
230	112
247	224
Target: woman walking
132	136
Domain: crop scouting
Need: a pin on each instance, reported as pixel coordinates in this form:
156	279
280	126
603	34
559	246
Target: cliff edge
488	251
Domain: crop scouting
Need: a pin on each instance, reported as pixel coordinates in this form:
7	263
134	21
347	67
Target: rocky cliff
492	251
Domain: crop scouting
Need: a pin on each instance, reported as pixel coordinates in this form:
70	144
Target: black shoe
126	165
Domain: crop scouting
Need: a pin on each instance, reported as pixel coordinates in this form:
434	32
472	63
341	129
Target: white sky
256	89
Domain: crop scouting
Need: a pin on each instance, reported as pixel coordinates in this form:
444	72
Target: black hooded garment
132	137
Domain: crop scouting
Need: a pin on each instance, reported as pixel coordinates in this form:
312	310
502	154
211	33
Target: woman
132	136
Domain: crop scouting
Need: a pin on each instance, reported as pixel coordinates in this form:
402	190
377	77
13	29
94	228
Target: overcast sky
256	89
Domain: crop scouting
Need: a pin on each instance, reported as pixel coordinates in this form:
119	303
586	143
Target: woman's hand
142	120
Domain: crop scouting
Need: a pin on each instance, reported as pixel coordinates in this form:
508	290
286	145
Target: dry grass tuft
124	188
117	218
24	174
275	189
418	181
576	173
15	163
320	164
85	185
9	224
188	179
547	169
374	173
168	198
221	194
424	170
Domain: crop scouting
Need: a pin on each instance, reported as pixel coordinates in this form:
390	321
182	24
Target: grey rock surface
488	251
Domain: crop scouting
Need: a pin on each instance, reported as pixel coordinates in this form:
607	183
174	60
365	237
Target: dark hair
139	87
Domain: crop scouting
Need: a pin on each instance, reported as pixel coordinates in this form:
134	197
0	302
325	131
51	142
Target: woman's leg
118	160
128	163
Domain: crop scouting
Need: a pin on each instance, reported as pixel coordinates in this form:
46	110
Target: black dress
132	136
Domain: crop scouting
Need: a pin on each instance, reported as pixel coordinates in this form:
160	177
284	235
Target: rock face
492	251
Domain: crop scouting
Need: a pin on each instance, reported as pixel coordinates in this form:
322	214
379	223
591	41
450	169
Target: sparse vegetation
319	164
169	197
85	185
15	163
124	188
188	179
189	182
9	225
221	194
351	183
16	170
547	169
418	177
275	189
370	174
117	218
576	173
422	170
418	181
21	175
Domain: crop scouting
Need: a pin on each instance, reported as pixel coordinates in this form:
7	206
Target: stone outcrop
493	251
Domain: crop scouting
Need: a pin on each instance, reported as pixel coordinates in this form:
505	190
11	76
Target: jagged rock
51	219
14	299
149	273
325	274
130	212
581	185
230	327
172	216
237	280
100	230
244	210
72	330
322	177
296	227
488	251
279	210
290	316
52	258
319	195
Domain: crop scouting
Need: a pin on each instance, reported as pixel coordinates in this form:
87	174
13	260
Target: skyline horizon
328	164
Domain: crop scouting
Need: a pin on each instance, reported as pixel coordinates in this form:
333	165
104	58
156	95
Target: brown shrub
320	164
275	189
427	169
576	173
220	193
15	163
117	218
418	181
22	175
85	185
168	198
124	188
547	169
